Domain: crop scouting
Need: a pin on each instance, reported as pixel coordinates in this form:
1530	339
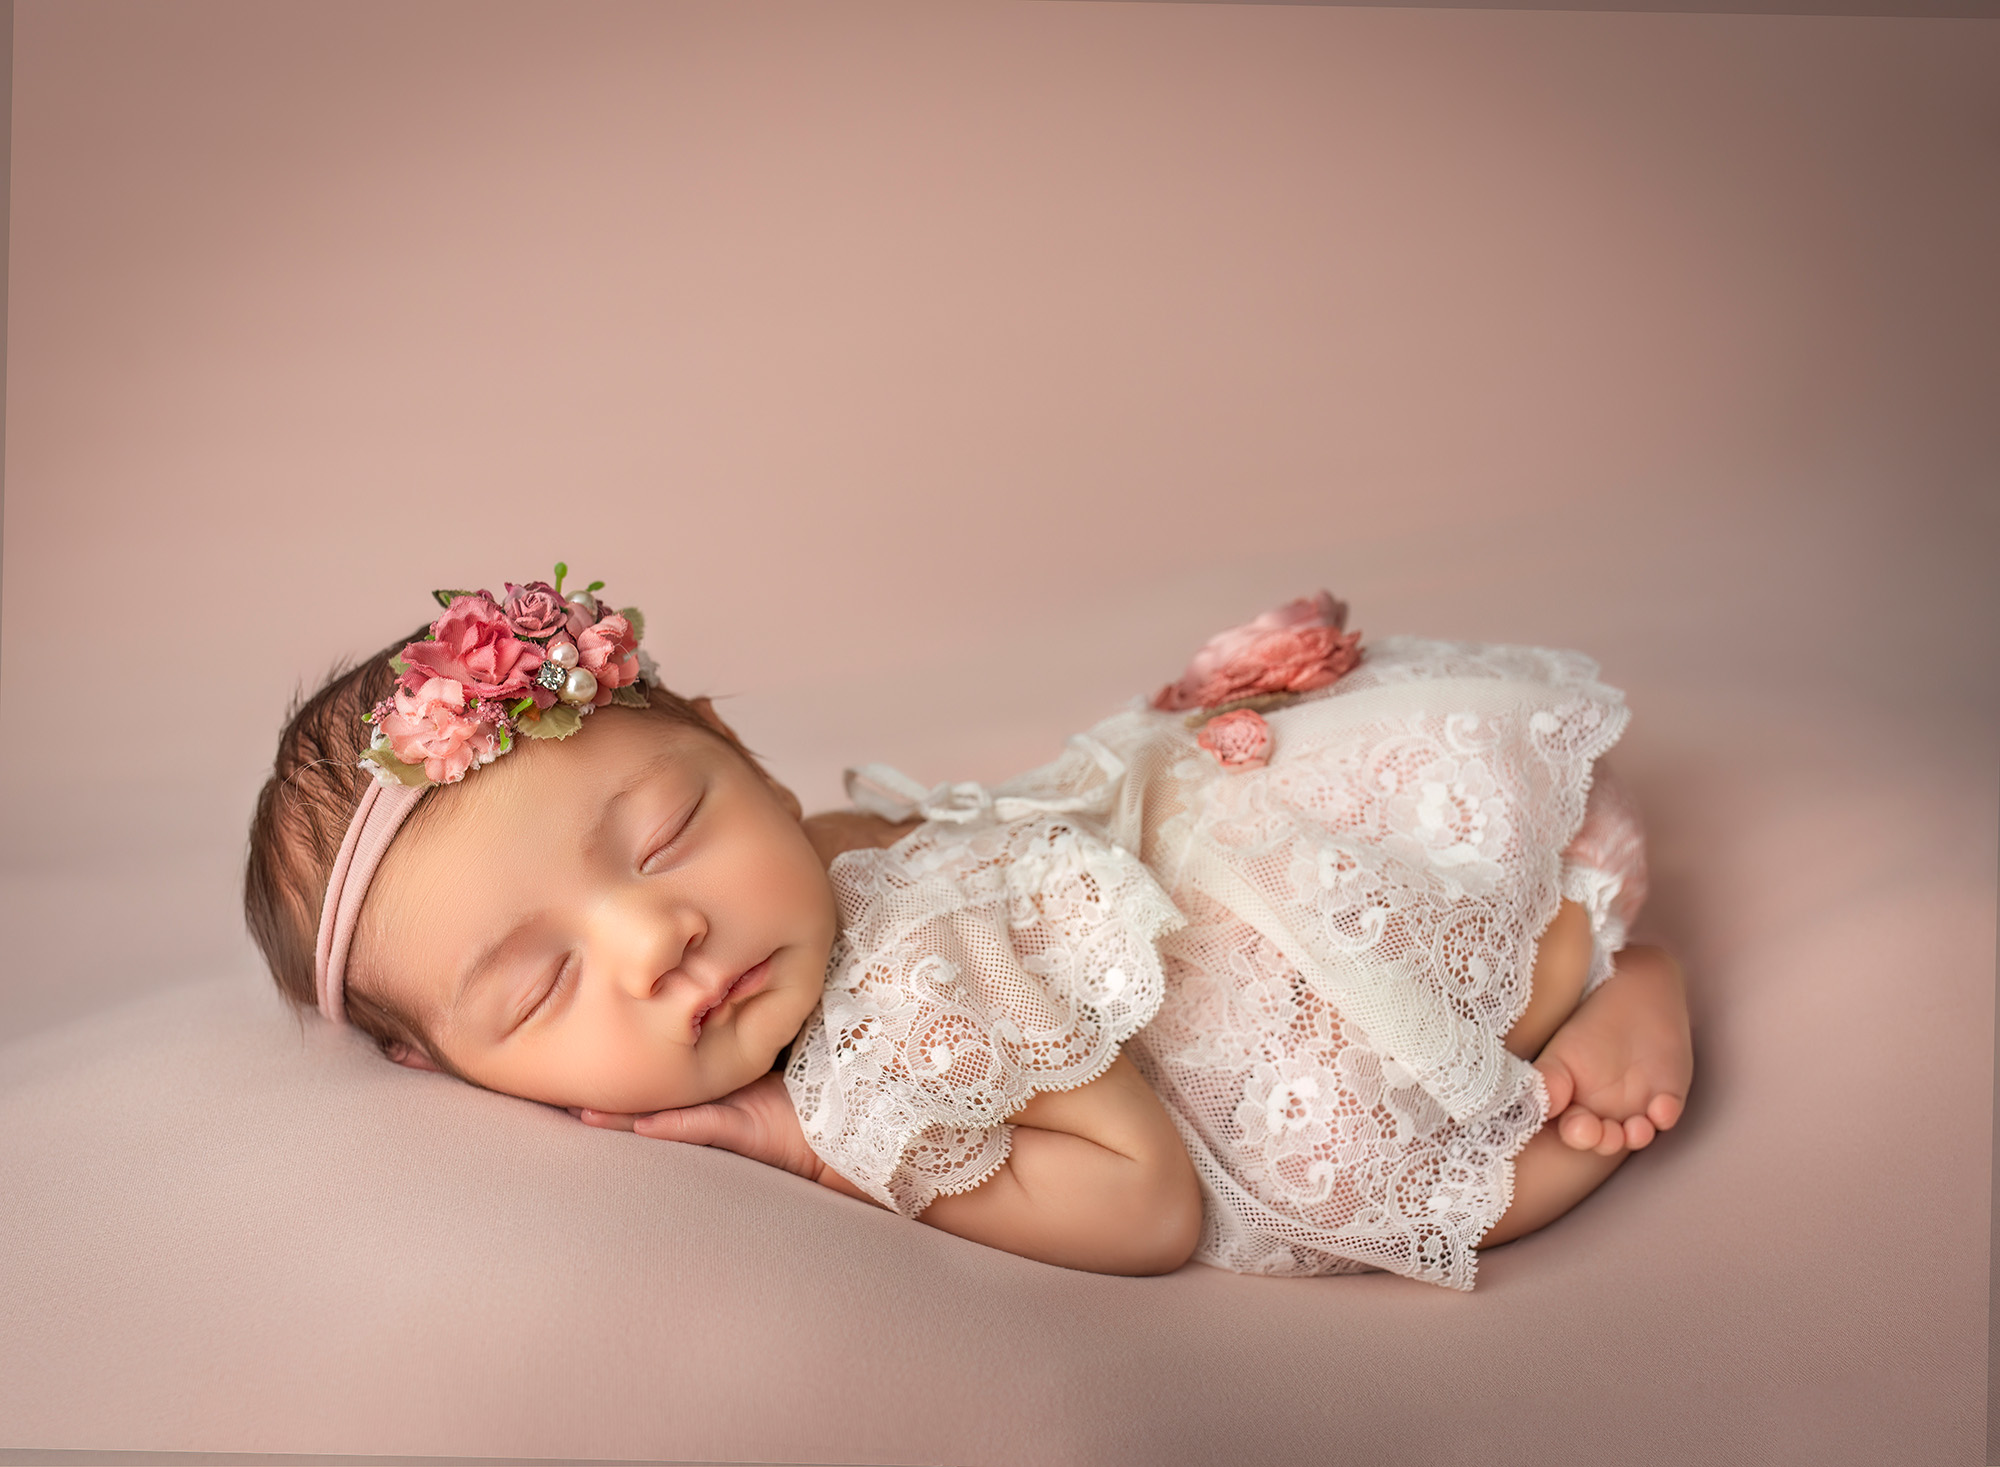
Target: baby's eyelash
679	831
569	964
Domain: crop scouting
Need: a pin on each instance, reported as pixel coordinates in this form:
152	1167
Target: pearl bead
584	599
563	654
580	686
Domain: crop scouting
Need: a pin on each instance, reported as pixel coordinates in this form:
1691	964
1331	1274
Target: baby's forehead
615	748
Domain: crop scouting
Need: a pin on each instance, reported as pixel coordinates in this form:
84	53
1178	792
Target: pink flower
432	727
609	650
535	610
583	615
474	645
1239	739
1294	649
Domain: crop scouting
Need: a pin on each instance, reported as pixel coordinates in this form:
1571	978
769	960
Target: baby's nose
644	947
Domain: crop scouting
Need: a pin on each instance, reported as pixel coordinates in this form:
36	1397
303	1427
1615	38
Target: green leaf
410	774
558	722
594	587
397	665
445	598
632	695
638	620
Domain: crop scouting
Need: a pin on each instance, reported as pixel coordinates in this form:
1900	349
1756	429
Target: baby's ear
416	1059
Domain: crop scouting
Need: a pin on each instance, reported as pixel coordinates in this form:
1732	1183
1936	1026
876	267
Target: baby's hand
757	1121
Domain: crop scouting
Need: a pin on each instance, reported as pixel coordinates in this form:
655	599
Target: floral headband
492	670
489	671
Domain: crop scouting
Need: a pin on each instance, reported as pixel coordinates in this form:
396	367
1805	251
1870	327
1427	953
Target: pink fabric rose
609	649
432	727
535	610
474	645
583	615
1293	649
1239	739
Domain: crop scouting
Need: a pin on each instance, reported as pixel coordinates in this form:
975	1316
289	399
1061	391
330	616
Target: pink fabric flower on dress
432	727
1239	739
1293	649
609	650
474	645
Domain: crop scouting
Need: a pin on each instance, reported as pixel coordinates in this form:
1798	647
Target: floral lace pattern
1317	985
978	963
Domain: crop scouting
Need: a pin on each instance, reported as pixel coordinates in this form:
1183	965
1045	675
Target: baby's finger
715	1124
687	1124
604	1119
712	1124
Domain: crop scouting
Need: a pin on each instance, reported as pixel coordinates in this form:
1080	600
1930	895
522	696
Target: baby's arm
1096	1177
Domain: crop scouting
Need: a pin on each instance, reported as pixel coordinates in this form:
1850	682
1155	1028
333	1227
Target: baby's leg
1549	1179
1604	865
1617	1072
1562	964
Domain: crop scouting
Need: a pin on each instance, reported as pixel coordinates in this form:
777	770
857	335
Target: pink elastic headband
377	818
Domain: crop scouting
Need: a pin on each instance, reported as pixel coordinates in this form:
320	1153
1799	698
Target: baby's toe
1560	1082
1638	1132
1612	1141
1580	1128
1665	1110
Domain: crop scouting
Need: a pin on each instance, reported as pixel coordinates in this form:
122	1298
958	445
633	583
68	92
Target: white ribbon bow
892	794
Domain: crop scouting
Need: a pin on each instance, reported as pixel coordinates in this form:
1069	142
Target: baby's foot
1618	1071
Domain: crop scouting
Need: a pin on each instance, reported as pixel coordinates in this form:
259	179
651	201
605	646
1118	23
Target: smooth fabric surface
1001	352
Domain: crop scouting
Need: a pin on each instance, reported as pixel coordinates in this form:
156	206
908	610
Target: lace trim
981	962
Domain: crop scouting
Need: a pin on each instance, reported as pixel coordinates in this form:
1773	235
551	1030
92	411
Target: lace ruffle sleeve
980	960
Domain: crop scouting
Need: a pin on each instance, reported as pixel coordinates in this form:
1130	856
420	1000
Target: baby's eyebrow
600	828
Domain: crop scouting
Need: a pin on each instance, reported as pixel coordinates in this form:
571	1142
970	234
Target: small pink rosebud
608	651
1239	739
535	610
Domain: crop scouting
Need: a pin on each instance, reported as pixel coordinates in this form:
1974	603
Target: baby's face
629	921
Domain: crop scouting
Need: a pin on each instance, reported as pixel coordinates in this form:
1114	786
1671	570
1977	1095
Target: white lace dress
1312	963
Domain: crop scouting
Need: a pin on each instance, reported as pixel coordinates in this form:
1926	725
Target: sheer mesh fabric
1313	964
977	964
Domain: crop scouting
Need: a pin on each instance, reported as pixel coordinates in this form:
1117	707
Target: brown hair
301	818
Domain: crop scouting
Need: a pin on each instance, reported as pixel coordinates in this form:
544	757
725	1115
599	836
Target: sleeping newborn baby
1313	962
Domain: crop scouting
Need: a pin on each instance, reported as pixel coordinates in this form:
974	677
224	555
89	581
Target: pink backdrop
937	376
